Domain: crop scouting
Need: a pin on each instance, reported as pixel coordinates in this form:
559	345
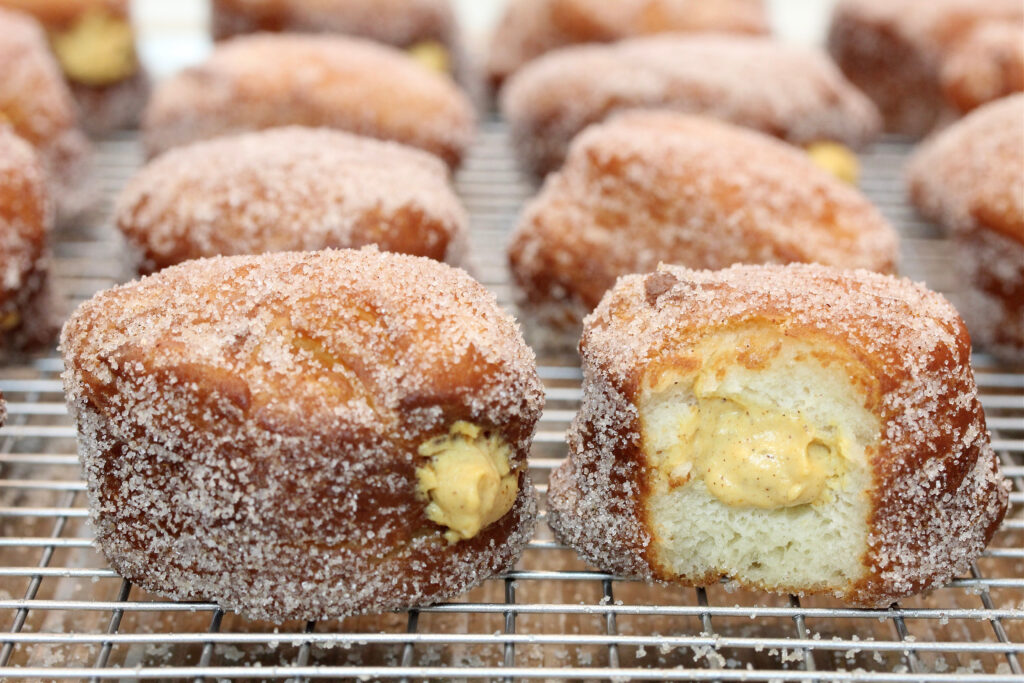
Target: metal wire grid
66	615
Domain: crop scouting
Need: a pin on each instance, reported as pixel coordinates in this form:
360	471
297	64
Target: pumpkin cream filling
750	456
467	480
432	55
98	49
837	159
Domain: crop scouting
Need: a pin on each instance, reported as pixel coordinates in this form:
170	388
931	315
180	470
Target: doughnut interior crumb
778	494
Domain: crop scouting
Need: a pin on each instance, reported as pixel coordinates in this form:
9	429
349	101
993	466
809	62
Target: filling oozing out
758	472
97	49
467	480
432	55
837	159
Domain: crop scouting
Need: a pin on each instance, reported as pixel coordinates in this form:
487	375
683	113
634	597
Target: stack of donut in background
356	413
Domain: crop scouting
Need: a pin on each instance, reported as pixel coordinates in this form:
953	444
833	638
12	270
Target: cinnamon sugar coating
970	179
530	28
36	103
268	80
648	187
400	23
987	65
905	53
290	189
249	428
26	219
794	93
936	493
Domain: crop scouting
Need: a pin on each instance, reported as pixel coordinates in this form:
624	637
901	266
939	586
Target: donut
427	28
530	28
26	218
36	103
653	186
970	179
288	189
304	435
267	80
94	43
791	92
987	65
798	429
925	61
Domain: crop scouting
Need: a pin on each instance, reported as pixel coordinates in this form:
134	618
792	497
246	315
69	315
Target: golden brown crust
687	190
268	80
895	51
35	101
790	92
26	218
530	28
968	178
288	189
249	428
401	23
936	496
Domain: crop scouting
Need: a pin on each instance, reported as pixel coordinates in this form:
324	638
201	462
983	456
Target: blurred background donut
267	80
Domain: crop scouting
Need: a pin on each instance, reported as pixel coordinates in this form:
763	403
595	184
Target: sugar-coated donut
795	428
407	24
970	179
905	53
94	43
530	28
287	189
304	435
426	29
35	101
988	64
653	186
26	218
794	93
268	80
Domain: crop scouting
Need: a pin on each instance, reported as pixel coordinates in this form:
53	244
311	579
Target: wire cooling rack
65	614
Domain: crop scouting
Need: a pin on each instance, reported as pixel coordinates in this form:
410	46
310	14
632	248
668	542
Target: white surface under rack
64	614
